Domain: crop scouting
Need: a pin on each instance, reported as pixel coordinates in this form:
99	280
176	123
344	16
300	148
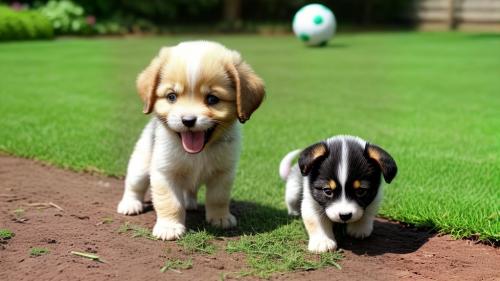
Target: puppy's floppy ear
248	86
148	81
311	156
384	161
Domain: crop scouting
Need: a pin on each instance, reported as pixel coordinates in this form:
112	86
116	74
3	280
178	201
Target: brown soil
394	252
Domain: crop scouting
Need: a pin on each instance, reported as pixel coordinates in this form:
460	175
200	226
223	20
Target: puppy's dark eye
211	99
361	192
172	97
328	192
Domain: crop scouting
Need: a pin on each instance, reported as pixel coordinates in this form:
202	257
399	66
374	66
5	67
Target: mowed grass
432	100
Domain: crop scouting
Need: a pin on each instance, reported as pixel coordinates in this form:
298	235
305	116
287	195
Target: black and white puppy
337	180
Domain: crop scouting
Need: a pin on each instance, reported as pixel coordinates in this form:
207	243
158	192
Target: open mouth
194	142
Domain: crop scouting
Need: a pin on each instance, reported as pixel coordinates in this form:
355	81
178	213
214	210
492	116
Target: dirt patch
88	222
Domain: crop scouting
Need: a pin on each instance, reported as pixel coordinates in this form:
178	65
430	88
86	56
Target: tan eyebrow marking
356	184
332	184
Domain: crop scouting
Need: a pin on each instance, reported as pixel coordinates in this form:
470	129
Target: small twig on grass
7	195
105	220
56	206
20	220
88	256
45	205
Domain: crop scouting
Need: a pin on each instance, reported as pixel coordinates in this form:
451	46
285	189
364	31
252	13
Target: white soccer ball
314	24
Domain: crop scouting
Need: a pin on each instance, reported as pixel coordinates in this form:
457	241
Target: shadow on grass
330	46
252	218
484	36
387	237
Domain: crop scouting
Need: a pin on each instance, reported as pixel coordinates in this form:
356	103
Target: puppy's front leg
319	228
167	196
364	226
190	200
217	200
361	228
137	179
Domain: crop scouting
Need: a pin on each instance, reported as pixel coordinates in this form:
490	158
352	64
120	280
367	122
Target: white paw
360	230
321	245
293	213
167	230
130	206
190	203
226	221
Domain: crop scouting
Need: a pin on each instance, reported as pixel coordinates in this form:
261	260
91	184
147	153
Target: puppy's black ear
148	80
384	160
311	156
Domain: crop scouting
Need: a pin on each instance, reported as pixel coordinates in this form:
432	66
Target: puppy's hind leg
293	178
137	179
190	201
293	193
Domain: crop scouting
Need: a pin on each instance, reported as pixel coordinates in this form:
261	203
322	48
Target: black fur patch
323	172
384	161
311	156
359	167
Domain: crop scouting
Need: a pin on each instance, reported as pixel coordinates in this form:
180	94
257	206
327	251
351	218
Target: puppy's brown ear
384	161
148	81
249	89
311	156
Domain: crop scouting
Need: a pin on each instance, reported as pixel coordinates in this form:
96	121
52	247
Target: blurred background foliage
18	25
91	17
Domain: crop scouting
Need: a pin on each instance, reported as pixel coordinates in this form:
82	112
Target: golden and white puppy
198	91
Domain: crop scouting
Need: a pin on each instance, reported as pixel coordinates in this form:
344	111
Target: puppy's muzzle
346	216
189	121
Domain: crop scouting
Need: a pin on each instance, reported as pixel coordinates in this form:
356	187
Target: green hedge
23	25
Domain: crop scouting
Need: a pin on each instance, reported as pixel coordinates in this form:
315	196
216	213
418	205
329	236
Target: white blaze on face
343	205
342	170
193	70
191	53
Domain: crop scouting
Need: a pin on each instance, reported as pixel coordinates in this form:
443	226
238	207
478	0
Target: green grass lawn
432	100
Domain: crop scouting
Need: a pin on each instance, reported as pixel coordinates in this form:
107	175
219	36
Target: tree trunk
232	13
452	21
367	12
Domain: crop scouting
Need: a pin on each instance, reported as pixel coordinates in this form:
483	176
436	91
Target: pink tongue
193	142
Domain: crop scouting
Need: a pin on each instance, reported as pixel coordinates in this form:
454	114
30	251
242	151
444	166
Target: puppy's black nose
345	217
188	121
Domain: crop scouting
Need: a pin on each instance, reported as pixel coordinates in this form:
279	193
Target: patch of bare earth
88	223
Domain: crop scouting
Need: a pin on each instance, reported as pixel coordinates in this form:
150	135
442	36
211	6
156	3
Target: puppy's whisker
163	119
323	214
224	128
218	122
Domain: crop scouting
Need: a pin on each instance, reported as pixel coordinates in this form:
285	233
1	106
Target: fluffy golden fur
198	91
